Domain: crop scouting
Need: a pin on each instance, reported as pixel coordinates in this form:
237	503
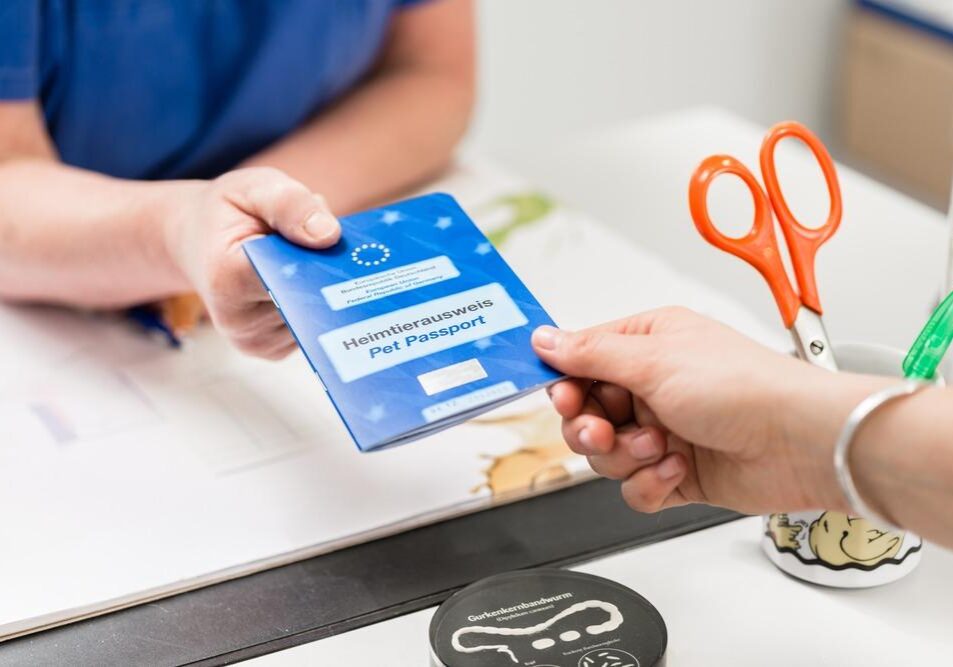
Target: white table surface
723	602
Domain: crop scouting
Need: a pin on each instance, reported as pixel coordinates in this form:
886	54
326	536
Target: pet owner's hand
204	231
684	409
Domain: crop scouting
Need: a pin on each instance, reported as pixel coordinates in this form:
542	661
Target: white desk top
724	603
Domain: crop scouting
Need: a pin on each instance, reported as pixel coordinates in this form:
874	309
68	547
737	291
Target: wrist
814	412
900	459
878	401
168	223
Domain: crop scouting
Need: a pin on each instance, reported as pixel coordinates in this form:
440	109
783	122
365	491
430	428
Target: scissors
801	308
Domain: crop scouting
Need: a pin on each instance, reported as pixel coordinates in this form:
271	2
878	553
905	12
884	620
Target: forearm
388	135
72	236
901	459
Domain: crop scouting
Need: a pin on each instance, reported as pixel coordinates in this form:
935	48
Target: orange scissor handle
802	241
759	247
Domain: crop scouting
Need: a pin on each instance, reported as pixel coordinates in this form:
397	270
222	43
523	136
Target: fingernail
585	438
670	468
546	337
643	446
321	226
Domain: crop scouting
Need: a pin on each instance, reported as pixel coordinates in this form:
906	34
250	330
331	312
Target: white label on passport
387	283
384	341
469	401
451	376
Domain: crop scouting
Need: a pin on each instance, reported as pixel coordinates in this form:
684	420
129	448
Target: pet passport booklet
412	321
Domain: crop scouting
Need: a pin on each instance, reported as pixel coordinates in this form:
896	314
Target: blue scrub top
154	89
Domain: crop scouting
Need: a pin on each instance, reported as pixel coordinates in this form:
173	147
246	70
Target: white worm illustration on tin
539	643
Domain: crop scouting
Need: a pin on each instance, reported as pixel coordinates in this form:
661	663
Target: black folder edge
361	585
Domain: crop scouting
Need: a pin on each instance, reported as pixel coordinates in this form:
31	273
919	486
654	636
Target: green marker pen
927	351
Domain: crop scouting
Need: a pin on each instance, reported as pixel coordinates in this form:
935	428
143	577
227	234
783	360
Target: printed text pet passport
413	321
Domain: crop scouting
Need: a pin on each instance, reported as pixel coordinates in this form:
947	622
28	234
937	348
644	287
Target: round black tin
547	618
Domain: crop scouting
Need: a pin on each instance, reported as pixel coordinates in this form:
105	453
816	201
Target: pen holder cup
832	548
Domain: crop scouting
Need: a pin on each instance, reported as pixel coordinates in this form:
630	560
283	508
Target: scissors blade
811	341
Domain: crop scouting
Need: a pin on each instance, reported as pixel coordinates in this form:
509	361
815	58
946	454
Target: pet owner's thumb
599	353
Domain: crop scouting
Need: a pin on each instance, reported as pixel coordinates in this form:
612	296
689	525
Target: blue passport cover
412	321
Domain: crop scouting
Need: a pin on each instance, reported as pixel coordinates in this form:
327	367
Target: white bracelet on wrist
854	421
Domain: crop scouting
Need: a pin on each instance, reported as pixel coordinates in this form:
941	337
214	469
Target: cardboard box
897	103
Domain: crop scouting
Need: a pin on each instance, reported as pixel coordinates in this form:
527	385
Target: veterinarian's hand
684	409
205	232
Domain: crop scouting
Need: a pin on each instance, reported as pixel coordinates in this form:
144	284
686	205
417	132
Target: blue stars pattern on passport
390	217
483	343
289	270
376	413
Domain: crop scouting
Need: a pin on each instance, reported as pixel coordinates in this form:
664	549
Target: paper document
130	471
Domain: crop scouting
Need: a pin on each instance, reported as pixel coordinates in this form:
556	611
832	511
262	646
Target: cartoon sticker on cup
838	541
837	549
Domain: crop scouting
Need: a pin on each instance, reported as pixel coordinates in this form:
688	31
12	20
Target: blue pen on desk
151	320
